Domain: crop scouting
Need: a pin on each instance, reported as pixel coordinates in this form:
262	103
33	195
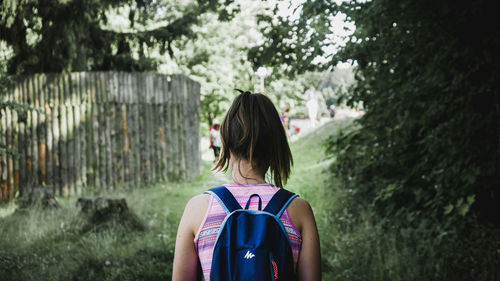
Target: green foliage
420	168
211	107
357	245
78	35
291	42
217	60
428	145
217	57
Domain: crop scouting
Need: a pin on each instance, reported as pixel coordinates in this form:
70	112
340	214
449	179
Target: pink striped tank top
204	240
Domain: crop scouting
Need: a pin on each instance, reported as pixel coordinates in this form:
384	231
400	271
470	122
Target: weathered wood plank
64	126
9	157
56	129
75	125
21	147
48	87
16	129
3	156
33	123
142	128
169	122
162	138
82	136
149	125
42	129
70	124
29	134
188	138
120	134
94	103
10	160
89	139
134	129
101	129
127	111
111	117
89	130
107	78
154	132
182	128
196	128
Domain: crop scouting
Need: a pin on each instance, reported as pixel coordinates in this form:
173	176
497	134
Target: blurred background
392	110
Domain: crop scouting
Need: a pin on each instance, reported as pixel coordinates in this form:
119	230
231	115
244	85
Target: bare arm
185	257
309	263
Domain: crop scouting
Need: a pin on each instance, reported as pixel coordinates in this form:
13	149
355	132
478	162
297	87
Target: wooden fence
100	129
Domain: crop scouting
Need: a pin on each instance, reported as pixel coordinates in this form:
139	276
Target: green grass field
58	245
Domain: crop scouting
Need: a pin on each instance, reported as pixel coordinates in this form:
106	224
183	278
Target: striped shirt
204	240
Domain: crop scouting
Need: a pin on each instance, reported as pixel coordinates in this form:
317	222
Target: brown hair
252	130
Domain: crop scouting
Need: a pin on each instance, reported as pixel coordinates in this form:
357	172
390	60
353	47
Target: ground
59	245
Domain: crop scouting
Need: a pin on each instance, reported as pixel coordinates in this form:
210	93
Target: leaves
428	145
60	36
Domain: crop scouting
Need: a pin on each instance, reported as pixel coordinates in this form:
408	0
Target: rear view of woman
254	144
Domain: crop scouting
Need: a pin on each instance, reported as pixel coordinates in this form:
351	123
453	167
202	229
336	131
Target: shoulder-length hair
252	130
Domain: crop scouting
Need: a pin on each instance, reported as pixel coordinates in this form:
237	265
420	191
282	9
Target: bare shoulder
197	204
199	199
300	212
195	210
300	204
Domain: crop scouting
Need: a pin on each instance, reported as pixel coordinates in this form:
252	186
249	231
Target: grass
311	180
58	245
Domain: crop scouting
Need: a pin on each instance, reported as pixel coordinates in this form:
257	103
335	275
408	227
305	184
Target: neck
243	173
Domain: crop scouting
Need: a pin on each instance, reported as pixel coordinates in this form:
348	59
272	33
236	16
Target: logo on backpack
249	255
275	270
257	236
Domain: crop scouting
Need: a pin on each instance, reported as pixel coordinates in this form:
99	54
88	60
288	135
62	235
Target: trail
207	154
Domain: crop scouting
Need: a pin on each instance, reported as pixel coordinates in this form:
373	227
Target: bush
406	243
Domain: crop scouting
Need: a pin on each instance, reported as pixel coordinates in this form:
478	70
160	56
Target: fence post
101	129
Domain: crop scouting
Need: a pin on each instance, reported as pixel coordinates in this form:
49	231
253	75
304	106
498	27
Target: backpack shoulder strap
279	202
225	198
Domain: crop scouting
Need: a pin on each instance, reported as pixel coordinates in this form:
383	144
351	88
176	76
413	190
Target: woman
253	143
215	140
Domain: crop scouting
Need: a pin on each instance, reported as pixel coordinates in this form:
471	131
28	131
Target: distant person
312	106
215	121
284	118
295	130
215	140
252	148
332	111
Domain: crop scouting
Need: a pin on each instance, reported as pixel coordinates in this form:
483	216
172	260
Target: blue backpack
252	245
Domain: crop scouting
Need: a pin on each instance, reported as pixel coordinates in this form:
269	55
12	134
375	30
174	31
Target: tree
425	158
80	35
217	57
430	141
54	36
